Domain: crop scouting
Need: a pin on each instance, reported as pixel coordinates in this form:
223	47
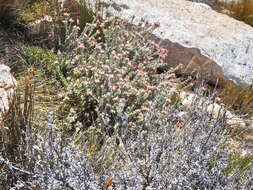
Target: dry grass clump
239	99
241	10
10	8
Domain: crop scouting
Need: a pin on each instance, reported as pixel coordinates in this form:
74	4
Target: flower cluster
118	72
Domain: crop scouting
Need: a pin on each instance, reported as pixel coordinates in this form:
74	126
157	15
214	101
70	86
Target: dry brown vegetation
241	10
10	8
239	98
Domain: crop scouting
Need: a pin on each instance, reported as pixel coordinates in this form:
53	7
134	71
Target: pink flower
162	56
71	20
102	25
125	52
98	47
114	53
119	70
141	73
99	12
118	84
121	104
150	86
81	45
98	32
164	112
108	105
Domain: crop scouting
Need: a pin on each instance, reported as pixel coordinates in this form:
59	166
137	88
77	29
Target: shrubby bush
109	66
128	127
165	151
47	164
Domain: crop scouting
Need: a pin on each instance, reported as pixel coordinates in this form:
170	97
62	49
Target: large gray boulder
7	88
224	40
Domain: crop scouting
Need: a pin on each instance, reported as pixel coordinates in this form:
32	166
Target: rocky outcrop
7	87
192	62
222	39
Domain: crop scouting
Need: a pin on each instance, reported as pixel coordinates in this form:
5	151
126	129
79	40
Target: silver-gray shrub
157	155
49	164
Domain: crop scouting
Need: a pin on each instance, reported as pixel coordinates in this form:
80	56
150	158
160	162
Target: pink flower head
98	47
114	53
81	45
119	54
71	20
141	73
102	25
162	56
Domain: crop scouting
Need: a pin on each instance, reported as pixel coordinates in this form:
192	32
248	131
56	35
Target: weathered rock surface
193	63
7	87
224	40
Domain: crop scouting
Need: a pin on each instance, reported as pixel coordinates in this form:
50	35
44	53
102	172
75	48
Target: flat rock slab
7	87
226	41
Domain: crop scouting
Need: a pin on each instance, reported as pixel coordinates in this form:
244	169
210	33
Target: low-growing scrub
165	151
115	123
